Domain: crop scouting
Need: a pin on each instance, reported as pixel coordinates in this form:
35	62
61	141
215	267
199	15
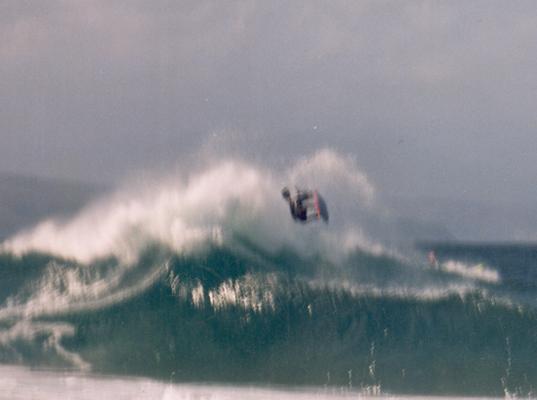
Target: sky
432	98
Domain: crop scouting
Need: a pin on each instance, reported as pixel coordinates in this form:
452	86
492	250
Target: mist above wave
186	211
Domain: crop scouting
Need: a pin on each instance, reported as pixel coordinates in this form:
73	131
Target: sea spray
207	278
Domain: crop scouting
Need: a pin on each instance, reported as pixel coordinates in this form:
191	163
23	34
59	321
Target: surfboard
321	211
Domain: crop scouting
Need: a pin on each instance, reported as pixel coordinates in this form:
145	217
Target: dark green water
238	314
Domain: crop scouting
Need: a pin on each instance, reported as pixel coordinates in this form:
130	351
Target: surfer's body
306	206
297	206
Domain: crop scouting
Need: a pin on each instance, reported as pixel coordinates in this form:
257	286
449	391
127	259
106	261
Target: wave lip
474	271
184	213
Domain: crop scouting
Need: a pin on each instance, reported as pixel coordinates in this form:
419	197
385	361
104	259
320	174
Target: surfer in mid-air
306	206
298	209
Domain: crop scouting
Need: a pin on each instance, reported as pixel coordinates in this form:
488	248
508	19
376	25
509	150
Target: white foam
473	271
398	291
183	214
46	299
180	216
23	384
248	292
29	330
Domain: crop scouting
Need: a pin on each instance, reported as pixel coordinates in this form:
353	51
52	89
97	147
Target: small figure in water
299	210
433	261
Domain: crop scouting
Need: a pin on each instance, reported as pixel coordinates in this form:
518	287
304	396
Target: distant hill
25	200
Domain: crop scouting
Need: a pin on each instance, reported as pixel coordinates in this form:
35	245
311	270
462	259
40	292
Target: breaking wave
185	212
473	271
205	277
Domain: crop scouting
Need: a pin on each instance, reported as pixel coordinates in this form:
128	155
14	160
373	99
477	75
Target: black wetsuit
298	211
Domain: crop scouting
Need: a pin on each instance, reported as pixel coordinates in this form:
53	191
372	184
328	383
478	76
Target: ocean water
201	284
20	383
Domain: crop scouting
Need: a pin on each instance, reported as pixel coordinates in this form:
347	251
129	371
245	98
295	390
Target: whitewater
201	276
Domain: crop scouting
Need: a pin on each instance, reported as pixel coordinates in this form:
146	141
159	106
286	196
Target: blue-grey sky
434	98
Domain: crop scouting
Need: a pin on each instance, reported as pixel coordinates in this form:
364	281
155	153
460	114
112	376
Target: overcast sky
432	97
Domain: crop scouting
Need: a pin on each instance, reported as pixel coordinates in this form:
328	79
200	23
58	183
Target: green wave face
240	314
